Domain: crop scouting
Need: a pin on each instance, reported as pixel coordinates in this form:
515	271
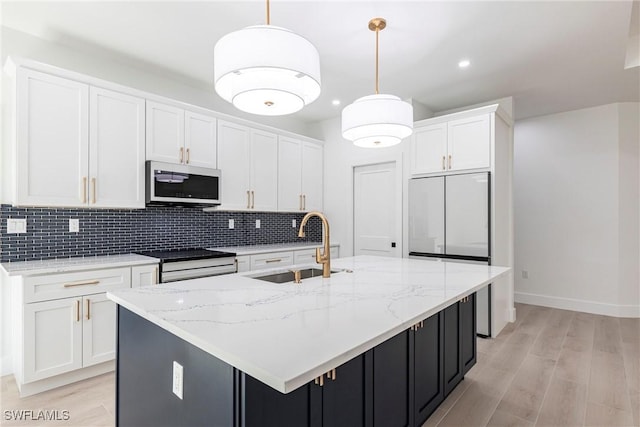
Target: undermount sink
288	276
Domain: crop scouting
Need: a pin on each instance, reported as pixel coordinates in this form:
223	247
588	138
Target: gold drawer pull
181	155
248	199
84	189
77	310
449	161
273	260
93	190
88	309
91	282
320	380
253	199
331	375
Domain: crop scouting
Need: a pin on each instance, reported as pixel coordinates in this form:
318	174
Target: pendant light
377	120
266	70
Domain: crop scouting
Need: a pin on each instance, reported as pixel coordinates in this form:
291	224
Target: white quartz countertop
285	335
264	249
61	265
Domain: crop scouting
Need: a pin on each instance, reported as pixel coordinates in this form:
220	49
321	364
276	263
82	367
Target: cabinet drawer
64	285
244	263
274	259
304	256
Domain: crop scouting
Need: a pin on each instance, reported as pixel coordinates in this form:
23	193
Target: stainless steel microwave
182	185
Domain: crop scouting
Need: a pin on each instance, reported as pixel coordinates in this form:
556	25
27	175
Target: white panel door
429	149
312	176
234	143
264	171
52	140
376	213
200	140
116	150
165	133
426	215
53	338
290	172
469	142
99	329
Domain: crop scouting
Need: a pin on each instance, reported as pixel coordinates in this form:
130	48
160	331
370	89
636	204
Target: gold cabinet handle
188	156
273	260
300	201
84	189
253	199
449	161
331	375
157	276
181	155
72	284
88	309
77	310
443	160
304	201
93	191
320	380
248	199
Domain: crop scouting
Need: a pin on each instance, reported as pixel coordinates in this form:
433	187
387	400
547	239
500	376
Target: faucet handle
318	256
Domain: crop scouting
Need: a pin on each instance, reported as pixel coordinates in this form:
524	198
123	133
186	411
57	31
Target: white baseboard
5	366
578	305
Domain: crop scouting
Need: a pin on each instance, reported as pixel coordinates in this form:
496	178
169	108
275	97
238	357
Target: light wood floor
549	368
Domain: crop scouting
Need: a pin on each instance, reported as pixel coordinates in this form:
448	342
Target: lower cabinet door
263	406
52	338
343	398
99	330
428	365
452	343
391	382
468	333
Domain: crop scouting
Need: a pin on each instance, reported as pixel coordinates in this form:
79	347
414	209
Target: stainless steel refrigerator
449	219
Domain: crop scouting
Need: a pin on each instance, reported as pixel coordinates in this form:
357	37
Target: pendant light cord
377	33
268	14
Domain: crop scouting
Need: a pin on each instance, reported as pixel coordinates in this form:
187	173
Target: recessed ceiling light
464	63
336	102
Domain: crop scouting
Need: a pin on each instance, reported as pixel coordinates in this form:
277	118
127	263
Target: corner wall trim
578	305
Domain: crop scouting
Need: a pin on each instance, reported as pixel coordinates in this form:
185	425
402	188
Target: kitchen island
379	343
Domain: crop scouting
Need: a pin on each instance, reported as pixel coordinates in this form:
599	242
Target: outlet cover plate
16	225
178	376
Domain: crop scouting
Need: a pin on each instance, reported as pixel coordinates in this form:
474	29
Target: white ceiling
550	56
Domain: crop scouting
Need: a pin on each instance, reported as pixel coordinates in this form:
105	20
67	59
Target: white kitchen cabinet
248	159
175	135
52	140
68	157
243	263
98	329
469	143
52	338
453	145
116	150
144	275
64	326
299	175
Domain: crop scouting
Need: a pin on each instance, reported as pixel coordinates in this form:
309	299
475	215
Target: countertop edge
77	264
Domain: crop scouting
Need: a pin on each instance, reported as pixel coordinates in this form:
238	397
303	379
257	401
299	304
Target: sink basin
287	276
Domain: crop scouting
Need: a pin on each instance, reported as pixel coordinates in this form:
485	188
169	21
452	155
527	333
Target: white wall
576	210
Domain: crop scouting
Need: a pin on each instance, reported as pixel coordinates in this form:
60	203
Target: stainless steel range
183	264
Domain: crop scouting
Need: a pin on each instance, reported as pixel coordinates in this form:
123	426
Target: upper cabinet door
469	143
312	174
116	150
429	149
165	133
200	140
234	162
264	171
289	175
52	140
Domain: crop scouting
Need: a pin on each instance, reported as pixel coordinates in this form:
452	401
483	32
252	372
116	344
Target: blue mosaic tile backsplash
119	231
